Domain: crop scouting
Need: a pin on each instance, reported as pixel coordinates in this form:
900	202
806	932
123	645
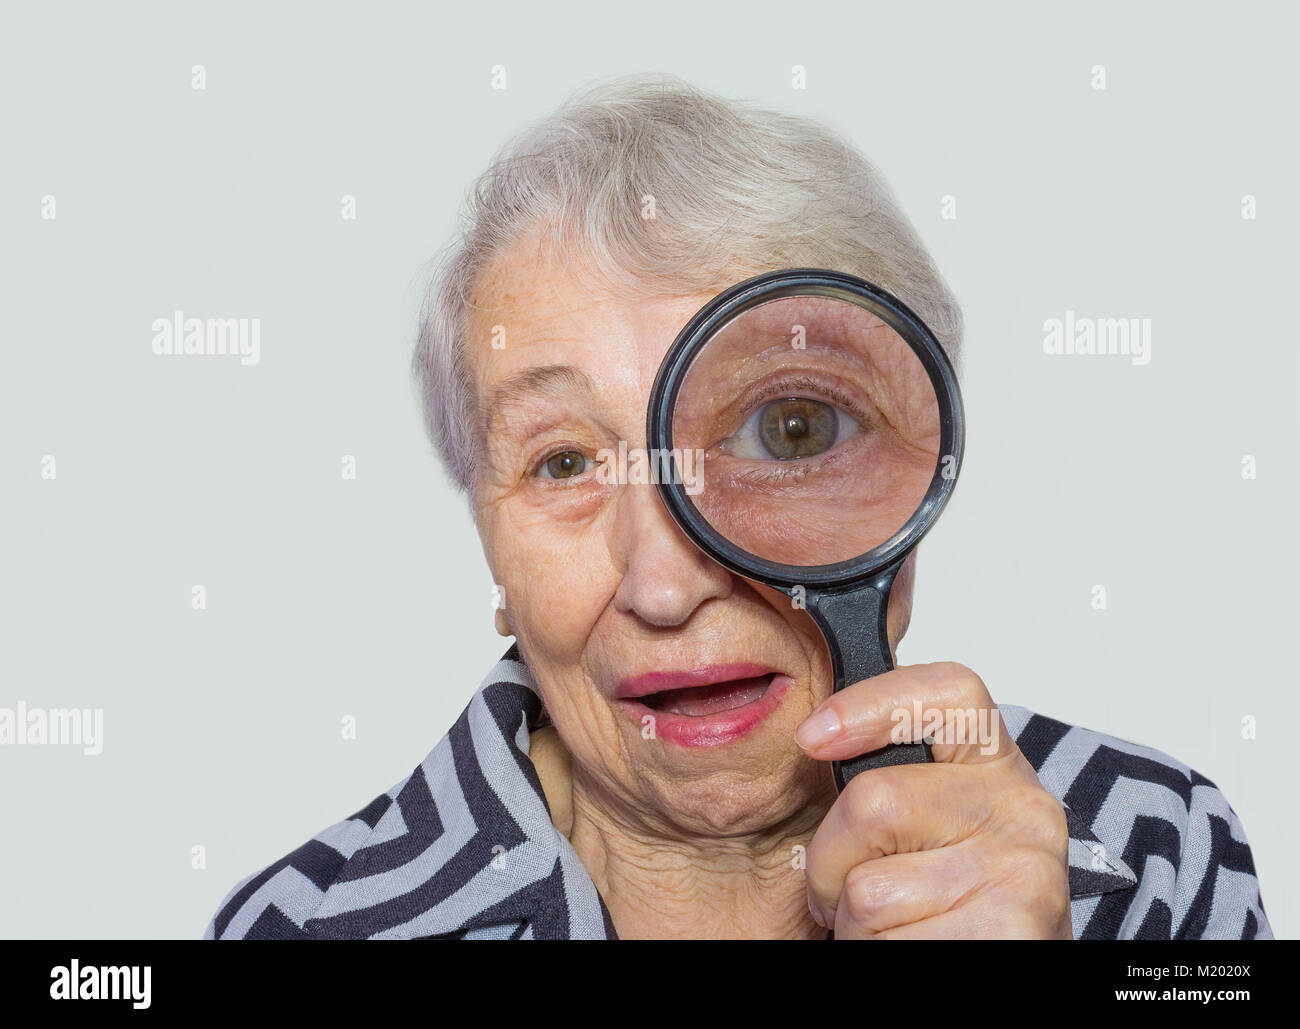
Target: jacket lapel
467	845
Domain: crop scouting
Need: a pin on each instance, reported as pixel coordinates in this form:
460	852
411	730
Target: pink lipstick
704	707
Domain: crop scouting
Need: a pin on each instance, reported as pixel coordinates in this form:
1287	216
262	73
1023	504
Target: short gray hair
736	190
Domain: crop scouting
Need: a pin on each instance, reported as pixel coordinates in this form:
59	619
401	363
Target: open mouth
709	699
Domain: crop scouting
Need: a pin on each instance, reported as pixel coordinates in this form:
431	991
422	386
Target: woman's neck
663	885
677	889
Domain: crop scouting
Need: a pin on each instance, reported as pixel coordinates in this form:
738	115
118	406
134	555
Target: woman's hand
969	846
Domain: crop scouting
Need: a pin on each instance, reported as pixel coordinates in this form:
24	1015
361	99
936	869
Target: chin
736	802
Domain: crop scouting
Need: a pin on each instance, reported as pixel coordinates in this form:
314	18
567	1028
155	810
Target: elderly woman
548	810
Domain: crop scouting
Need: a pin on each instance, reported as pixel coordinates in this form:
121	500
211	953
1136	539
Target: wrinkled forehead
538	332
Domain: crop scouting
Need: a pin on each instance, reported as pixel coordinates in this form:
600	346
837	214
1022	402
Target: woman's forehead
595	360
527	314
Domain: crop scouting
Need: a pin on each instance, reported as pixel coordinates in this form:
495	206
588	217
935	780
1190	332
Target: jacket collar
467	844
1093	869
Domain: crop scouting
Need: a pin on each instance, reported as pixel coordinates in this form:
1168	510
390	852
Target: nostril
666	577
655	601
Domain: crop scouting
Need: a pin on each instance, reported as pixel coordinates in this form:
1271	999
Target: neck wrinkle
661	884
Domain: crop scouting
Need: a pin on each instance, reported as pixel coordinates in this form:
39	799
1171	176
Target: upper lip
633	686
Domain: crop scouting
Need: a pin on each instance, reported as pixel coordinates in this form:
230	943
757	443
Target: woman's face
609	601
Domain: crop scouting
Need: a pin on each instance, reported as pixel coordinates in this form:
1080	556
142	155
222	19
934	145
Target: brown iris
566	464
797	427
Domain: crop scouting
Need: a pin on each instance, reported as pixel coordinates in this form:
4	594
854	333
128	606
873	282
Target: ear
502	623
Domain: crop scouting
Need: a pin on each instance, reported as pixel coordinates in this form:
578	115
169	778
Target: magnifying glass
822	427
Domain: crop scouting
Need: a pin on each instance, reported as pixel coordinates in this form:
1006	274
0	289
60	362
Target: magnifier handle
858	655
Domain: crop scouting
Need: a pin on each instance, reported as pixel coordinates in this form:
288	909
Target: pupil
797	427
564	465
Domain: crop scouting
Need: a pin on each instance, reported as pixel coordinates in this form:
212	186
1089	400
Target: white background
370	598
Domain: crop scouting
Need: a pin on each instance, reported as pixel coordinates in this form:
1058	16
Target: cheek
814	643
555	581
809	637
900	600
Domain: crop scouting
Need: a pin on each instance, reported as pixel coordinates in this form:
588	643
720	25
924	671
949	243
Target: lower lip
715	729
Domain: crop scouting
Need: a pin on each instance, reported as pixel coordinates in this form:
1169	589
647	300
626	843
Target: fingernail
819	728
818	917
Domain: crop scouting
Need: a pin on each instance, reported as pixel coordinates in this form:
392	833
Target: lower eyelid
774	470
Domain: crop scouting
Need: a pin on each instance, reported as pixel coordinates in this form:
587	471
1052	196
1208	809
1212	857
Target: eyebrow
542	381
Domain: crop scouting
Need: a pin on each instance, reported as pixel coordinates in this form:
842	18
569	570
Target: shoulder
276	901
1161	822
463	847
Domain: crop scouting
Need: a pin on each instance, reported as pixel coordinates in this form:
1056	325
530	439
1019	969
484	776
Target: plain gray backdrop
369	598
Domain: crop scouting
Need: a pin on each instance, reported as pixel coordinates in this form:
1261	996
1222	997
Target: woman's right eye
563	465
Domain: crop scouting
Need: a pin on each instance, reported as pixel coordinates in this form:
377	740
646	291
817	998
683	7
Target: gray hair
736	190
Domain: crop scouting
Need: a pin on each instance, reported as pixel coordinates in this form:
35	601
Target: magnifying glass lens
815	429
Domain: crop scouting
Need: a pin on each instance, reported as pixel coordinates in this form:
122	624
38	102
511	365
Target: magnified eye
789	428
563	465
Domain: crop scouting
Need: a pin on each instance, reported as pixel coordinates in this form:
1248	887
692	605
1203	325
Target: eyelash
782	388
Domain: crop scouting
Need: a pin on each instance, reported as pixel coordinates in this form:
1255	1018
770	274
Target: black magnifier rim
733	302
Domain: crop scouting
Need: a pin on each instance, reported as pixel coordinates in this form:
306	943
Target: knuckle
1046	875
872	799
961	679
954	671
865	893
1040	877
1046	818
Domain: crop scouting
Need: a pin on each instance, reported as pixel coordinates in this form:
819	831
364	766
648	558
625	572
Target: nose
665	576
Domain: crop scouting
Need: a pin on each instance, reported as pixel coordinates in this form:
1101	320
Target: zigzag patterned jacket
464	848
